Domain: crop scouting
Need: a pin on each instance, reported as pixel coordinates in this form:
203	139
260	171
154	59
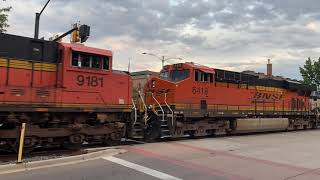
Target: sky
229	34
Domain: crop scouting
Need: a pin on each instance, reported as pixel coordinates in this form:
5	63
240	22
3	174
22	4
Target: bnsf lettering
90	81
267	96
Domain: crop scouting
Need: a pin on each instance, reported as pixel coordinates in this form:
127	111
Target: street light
161	58
36	28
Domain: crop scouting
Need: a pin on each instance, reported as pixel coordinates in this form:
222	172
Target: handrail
159	106
145	117
165	101
135	112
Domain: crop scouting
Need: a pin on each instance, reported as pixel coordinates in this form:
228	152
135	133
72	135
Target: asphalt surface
290	155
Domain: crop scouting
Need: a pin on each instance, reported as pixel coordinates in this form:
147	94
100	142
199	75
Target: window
200	76
164	75
196	75
90	61
106	63
204	77
95	62
75	59
179	75
85	60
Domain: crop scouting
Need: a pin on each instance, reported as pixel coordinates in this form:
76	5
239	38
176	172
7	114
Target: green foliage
310	72
4	19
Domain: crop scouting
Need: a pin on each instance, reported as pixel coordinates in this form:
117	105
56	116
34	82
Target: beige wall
139	82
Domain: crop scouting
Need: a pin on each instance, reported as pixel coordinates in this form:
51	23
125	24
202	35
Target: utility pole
36	28
162	61
162	58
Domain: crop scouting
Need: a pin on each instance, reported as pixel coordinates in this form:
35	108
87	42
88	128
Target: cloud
232	33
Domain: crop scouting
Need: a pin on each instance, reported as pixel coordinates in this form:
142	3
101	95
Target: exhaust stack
269	68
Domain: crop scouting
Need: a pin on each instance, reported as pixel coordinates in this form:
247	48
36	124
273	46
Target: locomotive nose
159	90
153	84
158	86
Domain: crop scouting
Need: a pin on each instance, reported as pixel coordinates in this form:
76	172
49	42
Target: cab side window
75	59
96	62
106	63
90	61
200	76
196	75
85	60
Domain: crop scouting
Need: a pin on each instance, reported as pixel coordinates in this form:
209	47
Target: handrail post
135	112
145	117
159	106
165	101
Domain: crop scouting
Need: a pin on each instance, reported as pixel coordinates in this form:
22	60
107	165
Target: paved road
292	155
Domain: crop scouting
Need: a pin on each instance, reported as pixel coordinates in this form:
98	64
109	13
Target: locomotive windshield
175	75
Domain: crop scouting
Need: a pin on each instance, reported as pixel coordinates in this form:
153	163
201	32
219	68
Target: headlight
153	84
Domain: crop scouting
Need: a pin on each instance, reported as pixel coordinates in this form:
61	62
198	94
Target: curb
12	168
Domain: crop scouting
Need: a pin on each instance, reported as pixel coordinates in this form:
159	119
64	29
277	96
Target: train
68	94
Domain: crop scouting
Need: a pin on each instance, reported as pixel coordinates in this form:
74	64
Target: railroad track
52	153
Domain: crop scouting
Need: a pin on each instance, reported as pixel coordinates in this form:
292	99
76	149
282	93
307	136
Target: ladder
137	131
136	125
165	125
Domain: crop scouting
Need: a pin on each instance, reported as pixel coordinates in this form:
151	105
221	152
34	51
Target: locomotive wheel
153	131
113	140
75	142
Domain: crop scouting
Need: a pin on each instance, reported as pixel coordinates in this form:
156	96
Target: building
140	79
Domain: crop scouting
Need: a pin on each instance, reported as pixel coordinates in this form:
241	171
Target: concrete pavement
289	155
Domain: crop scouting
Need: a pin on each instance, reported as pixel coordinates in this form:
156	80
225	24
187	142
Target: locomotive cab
181	86
88	78
179	95
67	93
175	73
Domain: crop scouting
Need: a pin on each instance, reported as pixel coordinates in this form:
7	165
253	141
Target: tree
310	72
4	19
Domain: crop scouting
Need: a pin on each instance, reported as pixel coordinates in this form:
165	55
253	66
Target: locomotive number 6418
200	90
91	81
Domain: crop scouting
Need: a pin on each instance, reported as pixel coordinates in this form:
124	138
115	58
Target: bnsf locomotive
195	100
68	94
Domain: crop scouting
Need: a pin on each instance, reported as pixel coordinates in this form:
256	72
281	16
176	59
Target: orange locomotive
66	93
190	99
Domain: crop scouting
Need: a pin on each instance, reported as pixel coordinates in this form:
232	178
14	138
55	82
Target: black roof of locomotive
256	80
25	48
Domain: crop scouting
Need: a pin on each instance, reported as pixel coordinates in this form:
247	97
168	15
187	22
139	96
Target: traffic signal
84	32
75	34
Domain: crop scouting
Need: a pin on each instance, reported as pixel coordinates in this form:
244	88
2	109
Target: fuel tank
260	125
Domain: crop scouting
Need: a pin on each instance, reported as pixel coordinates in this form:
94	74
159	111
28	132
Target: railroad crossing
283	155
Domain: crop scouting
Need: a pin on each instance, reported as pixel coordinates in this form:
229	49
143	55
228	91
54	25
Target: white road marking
142	169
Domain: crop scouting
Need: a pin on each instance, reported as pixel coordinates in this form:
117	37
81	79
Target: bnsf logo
267	96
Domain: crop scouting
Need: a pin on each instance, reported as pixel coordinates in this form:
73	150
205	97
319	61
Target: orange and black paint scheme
66	93
200	101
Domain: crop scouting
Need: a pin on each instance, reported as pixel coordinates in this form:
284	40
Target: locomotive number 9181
91	81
